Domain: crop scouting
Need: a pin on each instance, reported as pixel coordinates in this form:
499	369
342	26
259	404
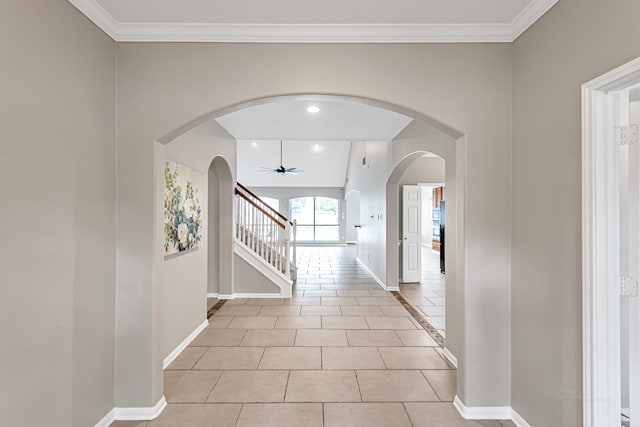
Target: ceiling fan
281	169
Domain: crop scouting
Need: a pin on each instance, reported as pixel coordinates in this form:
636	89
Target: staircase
265	238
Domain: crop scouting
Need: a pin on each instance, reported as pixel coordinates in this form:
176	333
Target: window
318	218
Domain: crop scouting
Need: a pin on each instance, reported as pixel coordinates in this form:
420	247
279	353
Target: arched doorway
220	222
447	143
443	302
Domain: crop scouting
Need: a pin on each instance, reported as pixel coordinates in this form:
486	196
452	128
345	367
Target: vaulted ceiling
317	142
315	21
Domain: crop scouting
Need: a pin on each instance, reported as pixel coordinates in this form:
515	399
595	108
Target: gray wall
57	260
163	86
429	170
370	181
352	202
248	280
573	43
183	278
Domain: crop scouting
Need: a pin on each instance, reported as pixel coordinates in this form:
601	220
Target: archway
431	136
220	221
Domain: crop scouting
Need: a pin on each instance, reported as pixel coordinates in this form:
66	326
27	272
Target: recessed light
317	147
313	109
254	144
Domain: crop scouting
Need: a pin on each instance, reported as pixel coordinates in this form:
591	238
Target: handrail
255	205
260	228
262	201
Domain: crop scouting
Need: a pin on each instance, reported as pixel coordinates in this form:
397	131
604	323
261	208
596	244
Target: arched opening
376	200
220	221
416	193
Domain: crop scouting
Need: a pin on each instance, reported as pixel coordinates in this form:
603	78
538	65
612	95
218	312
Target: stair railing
265	231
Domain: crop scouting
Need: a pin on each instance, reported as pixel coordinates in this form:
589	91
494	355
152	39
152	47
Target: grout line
286	387
206	400
239	413
382	357
431	386
355	372
407	412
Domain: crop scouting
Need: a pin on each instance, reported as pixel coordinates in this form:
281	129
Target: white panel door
411	233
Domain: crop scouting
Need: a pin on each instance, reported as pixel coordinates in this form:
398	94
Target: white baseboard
180	348
146	413
107	419
450	357
482	413
266	295
212	295
376	278
518	420
241	295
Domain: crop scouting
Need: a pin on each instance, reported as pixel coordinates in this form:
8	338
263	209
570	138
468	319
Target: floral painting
182	210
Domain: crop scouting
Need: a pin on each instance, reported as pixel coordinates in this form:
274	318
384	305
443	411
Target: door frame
600	319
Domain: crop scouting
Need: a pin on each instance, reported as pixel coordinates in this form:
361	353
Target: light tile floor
341	352
428	296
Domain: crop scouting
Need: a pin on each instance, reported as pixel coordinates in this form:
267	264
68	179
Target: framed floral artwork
182	209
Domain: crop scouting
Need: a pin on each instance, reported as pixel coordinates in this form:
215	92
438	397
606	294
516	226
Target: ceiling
315	21
324	163
336	120
318	143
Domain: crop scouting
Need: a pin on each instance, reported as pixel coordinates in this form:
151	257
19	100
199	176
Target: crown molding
316	33
98	15
313	33
529	15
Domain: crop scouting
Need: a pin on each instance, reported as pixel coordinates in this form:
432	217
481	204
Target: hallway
428	296
341	352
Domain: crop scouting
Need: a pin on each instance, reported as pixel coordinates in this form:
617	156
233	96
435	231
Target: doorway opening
611	248
220	221
422	213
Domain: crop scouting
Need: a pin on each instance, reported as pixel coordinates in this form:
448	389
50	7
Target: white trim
213	295
376	278
176	352
313	33
265	295
264	268
241	295
108	419
518	420
600	331
482	413
145	413
450	357
529	15
99	16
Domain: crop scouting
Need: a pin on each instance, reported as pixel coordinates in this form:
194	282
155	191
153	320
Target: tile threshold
215	308
433	332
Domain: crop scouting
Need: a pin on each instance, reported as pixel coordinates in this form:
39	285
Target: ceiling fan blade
294	170
291	173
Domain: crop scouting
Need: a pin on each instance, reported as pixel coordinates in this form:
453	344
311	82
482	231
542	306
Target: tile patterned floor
340	353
